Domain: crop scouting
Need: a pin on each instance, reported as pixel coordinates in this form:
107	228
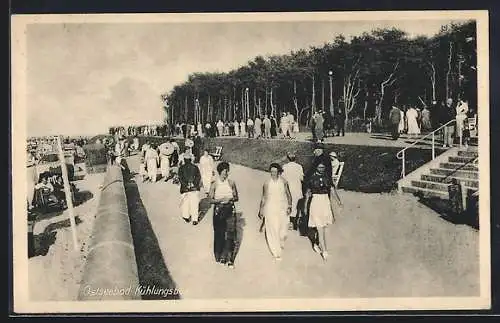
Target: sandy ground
382	245
55	272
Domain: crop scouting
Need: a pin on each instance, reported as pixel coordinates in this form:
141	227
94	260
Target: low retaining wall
111	269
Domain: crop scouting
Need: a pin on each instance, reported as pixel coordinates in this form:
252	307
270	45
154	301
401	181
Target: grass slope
367	169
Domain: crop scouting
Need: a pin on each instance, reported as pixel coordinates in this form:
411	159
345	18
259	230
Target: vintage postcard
251	162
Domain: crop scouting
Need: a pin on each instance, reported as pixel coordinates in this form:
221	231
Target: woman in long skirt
243	132
412	116
206	169
151	158
322	192
223	194
275	208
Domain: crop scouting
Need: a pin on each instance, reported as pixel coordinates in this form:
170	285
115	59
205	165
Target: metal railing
401	153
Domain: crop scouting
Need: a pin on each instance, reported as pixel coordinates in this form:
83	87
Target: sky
85	77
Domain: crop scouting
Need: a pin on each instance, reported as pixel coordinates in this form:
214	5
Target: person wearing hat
166	149
189	143
197	145
320	156
190	185
294	174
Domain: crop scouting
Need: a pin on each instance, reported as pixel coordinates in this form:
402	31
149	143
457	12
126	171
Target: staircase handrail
401	153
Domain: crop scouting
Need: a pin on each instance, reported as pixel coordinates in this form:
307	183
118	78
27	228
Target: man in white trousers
190	185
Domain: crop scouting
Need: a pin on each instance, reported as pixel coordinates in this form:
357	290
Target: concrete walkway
381	246
369	139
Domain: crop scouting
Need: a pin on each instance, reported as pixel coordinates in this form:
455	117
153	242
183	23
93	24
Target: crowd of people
45	183
266	126
322	124
37	147
415	121
145	130
291	199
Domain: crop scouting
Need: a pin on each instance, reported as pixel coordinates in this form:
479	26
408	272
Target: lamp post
461	60
330	77
197	112
247	105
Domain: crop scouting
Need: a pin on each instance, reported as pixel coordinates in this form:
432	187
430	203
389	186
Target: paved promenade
382	245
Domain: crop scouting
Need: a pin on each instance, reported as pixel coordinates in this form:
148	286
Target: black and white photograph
250	162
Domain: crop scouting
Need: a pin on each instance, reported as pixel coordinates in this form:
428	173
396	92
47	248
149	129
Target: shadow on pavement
381	136
203	207
61	224
468	217
42	243
82	197
151	266
240	224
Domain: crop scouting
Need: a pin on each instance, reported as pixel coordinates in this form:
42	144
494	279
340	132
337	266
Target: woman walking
207	169
322	192
275	208
151	157
412	117
223	194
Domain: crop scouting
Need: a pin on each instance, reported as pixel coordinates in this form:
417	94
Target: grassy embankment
367	169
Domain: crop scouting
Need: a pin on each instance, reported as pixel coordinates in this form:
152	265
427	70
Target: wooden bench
337	173
472	126
217	155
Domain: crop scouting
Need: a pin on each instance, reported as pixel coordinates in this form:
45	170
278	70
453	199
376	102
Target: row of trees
363	76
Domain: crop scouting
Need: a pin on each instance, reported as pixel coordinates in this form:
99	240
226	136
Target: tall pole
67	191
247	103
460	61
330	77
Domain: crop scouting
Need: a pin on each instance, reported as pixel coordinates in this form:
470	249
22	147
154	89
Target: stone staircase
433	178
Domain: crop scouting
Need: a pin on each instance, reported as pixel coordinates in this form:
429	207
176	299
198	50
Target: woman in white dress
236	128
220	128
284	125
275	208
243	131
412	117
151	157
207	167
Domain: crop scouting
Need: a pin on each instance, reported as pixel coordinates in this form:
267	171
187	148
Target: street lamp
330	77
247	104
196	110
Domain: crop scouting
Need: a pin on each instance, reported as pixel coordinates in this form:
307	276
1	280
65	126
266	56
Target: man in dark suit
395	118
